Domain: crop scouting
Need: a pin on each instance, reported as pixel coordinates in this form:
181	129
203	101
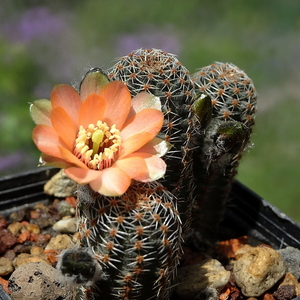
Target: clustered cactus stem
225	136
136	238
162	75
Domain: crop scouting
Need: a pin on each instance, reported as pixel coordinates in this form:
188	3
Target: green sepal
40	111
203	109
94	80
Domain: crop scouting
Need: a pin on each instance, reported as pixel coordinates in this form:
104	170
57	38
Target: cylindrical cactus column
162	75
226	134
136	238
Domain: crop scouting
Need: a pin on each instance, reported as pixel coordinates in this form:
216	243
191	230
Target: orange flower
101	136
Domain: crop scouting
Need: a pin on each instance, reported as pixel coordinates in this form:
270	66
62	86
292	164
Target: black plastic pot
246	213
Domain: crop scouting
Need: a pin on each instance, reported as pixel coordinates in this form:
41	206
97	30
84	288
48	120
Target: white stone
257	269
60	185
66	225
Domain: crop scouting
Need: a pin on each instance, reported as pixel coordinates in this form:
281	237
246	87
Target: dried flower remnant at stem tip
98	146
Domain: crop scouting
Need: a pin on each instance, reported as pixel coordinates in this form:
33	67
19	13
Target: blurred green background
47	42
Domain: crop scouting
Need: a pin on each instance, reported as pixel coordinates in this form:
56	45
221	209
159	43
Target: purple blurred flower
36	23
17	162
149	37
10	161
50	39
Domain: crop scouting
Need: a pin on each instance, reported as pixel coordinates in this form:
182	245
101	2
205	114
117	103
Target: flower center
97	145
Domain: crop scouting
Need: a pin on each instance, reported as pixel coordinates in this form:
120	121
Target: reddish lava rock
7	240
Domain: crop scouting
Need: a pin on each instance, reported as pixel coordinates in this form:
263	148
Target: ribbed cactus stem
135	238
161	74
224	138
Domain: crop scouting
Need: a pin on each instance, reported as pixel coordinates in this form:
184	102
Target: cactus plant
161	74
226	135
129	218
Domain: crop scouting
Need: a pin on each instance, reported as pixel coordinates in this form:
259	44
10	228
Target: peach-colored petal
64	126
65	96
147	120
156	166
134	166
157	147
40	111
134	143
111	182
118	101
143	166
67	155
93	81
50	161
47	140
82	176
92	110
144	100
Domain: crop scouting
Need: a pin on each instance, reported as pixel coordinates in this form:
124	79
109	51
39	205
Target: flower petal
82	176
118	102
92	110
65	96
144	100
64	126
142	166
134	143
147	120
47	140
94	80
157	147
68	156
134	166
40	111
50	161
156	166
111	182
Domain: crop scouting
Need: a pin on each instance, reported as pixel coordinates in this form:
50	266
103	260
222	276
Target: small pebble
36	251
7	240
4	284
60	185
24	236
40	238
266	296
15	228
290	279
257	269
285	292
21	248
25	258
33	228
291	258
66	225
59	242
10	254
6	266
18	216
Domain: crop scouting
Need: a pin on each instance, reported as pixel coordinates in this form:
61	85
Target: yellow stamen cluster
97	145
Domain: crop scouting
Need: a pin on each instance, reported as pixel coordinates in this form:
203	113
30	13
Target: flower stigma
97	145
